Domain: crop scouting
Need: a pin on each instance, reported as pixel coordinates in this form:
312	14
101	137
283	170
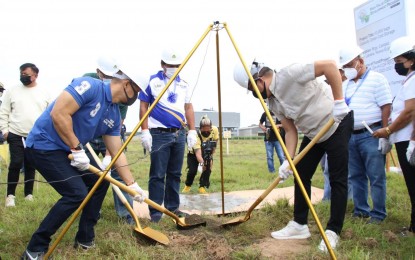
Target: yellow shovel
147	233
274	184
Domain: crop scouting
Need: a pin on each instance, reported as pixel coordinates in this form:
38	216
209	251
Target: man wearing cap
87	108
368	94
22	105
300	101
164	133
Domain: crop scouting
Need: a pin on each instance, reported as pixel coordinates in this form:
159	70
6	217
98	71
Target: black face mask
130	100
25	80
205	133
263	93
400	69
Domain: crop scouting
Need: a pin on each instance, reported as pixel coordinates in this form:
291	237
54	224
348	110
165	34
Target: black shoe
29	255
180	214
84	245
360	215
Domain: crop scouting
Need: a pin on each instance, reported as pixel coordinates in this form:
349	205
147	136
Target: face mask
170	72
350	73
263	93
106	80
205	133
25	80
400	69
130	100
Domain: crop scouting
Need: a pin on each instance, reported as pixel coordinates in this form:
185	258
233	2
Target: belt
360	131
169	130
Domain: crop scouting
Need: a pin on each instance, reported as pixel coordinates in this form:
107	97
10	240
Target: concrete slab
235	201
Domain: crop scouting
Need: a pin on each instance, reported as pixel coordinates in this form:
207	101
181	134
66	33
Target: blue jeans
327	188
73	186
166	169
366	163
99	147
121	210
270	146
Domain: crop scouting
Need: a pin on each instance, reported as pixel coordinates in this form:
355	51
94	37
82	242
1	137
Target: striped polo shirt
366	97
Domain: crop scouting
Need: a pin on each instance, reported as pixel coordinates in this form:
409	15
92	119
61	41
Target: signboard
227	134
377	23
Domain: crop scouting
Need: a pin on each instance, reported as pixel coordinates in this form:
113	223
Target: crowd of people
42	133
355	155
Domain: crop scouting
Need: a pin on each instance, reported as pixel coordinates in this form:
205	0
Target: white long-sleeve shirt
21	107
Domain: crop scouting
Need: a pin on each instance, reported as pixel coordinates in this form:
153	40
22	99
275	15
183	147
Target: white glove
146	139
200	168
191	138
410	151
105	162
80	160
285	170
384	145
340	110
140	198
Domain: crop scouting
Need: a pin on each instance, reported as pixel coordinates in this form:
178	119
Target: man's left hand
191	138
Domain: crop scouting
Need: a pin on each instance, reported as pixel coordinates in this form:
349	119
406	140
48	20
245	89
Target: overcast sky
64	39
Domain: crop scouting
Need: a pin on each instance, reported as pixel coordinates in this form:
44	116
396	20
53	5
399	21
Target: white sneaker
293	230
10	201
333	239
29	197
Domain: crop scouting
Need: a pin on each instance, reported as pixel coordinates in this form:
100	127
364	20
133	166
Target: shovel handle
116	190
132	192
300	156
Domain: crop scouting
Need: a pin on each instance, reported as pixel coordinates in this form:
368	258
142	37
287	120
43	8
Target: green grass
244	168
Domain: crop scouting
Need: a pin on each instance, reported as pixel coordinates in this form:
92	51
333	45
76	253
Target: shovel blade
236	221
151	236
190	222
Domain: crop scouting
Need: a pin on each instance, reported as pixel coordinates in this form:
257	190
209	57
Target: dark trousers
73	186
17	160
192	165
408	172
336	148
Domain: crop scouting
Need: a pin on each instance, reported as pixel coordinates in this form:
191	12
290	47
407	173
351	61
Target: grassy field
244	168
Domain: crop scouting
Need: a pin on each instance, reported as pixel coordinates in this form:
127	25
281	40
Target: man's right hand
285	170
146	139
80	160
340	110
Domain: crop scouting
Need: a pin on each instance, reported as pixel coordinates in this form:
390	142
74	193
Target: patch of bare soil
216	247
282	249
390	236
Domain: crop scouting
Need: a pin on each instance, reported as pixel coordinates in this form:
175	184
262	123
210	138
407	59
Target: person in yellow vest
200	157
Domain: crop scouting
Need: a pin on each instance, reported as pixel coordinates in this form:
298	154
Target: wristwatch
79	147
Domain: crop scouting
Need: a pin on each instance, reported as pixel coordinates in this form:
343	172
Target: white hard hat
171	57
135	74
401	46
239	73
346	55
107	65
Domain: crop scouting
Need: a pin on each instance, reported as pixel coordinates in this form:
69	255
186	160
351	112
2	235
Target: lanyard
348	99
172	97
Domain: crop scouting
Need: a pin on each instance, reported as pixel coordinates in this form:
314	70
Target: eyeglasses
25	75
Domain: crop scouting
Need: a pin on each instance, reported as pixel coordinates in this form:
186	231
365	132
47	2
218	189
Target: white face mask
106	80
350	73
170	72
